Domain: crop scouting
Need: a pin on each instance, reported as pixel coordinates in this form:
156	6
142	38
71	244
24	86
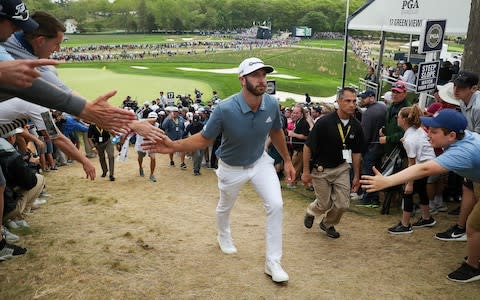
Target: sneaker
8	251
38	202
424	223
5	252
21	223
112	178
196	173
308	220
454	233
44	194
331	232
10	237
465	273
400	229
12	224
140	171
433	210
275	270
226	245
183	166
152	178
172	163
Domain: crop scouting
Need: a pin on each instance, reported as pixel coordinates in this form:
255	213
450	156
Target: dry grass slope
133	239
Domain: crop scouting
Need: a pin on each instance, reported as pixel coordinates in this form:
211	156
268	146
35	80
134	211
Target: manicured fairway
93	82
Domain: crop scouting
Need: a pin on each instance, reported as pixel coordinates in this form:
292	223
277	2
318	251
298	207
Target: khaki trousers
28	197
332	193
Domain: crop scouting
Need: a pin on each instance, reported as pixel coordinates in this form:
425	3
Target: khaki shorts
473	220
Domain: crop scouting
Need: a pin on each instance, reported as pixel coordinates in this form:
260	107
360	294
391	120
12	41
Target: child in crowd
447	130
418	149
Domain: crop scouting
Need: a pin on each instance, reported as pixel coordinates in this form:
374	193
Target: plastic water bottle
116	139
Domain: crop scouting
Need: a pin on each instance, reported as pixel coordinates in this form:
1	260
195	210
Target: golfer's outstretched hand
165	145
374	183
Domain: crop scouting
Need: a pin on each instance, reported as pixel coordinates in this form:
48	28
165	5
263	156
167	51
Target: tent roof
406	16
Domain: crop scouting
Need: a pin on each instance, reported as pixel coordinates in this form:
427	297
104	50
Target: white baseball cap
152	114
252	64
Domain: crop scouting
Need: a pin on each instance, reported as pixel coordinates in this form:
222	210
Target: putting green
91	83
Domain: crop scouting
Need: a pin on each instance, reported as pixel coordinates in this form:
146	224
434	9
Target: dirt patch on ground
134	239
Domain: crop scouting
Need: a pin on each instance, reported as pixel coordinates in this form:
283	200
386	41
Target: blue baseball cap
450	119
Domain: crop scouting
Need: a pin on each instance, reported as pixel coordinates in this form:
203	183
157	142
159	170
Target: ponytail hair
412	114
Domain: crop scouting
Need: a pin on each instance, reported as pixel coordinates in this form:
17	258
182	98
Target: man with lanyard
335	142
100	142
174	126
245	119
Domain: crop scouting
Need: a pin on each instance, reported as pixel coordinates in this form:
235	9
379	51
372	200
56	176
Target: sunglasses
397	92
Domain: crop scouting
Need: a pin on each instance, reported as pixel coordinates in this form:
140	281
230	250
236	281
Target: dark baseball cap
367	93
17	12
465	79
450	119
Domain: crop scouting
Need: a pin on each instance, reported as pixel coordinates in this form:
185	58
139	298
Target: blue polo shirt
243	131
463	157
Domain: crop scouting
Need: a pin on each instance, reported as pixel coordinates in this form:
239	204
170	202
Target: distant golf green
91	83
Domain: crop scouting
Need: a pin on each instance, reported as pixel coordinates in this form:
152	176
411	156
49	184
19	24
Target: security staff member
101	143
334	143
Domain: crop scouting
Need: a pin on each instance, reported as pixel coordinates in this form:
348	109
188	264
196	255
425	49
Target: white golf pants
264	178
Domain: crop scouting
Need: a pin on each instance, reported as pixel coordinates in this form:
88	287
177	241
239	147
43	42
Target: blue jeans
371	158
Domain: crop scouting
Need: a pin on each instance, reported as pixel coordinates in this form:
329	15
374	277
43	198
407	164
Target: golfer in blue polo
245	120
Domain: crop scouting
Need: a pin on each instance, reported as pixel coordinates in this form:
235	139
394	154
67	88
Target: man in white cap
245	120
142	152
174	127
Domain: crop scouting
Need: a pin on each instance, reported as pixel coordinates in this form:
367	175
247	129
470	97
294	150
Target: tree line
144	16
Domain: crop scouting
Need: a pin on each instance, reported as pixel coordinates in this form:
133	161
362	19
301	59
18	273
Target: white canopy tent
406	16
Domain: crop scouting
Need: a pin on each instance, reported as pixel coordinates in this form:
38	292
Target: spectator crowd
330	146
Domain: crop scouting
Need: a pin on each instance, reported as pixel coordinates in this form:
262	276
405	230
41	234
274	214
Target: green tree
471	59
316	20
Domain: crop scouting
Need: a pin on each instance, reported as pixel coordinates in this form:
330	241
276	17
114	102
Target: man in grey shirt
245	120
